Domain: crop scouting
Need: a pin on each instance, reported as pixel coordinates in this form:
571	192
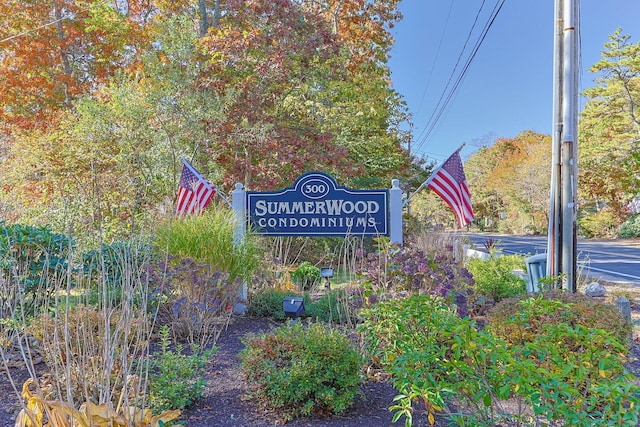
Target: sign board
316	206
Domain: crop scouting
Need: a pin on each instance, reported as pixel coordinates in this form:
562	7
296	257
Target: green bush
302	370
569	373
493	277
176	379
268	303
570	350
601	224
306	276
576	375
333	307
34	258
520	320
208	238
433	355
630	228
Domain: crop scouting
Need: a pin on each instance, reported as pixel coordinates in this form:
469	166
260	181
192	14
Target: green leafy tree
610	129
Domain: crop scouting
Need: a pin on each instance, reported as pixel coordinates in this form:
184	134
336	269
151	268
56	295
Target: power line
422	136
435	59
38	28
446	97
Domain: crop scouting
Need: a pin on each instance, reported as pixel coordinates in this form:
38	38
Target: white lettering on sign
316	207
317	222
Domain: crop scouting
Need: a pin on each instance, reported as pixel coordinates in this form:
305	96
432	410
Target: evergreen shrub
630	228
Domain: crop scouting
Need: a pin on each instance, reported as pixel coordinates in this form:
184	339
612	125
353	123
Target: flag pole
190	166
223	196
424	184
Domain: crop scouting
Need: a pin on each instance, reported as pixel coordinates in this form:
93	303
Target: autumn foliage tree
100	102
512	177
298	105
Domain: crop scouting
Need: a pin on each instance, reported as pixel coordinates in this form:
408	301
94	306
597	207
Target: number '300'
315	189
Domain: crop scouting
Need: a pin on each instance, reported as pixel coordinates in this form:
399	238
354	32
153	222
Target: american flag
450	183
195	192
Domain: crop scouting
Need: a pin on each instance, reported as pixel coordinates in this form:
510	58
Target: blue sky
508	85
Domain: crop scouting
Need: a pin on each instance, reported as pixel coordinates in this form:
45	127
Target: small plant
268	303
192	298
177	380
302	370
493	277
492	245
335	307
306	276
552	283
520	320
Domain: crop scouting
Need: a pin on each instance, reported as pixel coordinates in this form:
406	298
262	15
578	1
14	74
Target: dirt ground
224	403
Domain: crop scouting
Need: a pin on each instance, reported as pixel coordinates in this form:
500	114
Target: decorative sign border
316	206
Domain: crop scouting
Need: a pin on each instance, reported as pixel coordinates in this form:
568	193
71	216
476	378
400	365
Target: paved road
608	260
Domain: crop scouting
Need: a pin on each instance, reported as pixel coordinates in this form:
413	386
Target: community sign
316	206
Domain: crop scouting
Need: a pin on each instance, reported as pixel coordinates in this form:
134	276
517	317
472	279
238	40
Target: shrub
396	273
630	228
87	348
434	355
520	320
193	298
601	224
306	276
268	303
176	379
493	277
570	350
576	375
302	370
32	258
573	374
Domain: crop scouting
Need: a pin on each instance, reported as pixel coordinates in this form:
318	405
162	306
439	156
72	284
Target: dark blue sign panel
316	206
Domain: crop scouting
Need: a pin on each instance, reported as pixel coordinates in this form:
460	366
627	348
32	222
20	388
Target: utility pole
562	233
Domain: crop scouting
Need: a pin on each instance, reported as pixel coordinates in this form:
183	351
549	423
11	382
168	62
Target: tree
609	129
116	157
53	52
512	177
298	106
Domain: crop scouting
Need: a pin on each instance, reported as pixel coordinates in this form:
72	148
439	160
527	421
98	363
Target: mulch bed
225	404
